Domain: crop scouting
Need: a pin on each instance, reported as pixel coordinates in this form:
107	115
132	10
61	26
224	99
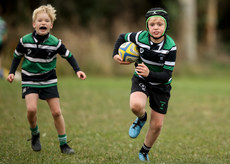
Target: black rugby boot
35	142
65	149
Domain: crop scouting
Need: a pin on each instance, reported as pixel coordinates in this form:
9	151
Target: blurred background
97	109
89	29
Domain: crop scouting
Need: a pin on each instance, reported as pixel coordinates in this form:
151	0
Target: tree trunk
211	22
188	30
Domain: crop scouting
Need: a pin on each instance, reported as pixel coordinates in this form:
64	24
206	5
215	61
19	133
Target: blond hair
47	9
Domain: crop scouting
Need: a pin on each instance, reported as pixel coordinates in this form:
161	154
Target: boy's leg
137	105
55	109
31	106
156	123
59	123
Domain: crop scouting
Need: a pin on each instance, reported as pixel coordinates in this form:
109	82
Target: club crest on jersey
49	52
142	50
29	51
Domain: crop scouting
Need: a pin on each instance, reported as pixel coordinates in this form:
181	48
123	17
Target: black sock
145	149
144	117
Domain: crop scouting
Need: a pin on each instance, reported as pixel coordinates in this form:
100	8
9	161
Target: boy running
152	76
39	79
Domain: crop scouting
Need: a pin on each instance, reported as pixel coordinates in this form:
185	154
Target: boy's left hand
142	70
81	75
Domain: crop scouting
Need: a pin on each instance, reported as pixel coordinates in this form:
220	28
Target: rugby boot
143	157
35	142
135	128
65	149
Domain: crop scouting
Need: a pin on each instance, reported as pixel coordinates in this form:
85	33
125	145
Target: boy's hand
10	77
142	70
119	60
81	75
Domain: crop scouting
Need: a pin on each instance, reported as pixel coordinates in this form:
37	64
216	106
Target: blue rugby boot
135	128
143	157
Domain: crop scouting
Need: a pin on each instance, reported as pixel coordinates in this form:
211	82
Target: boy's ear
33	24
51	26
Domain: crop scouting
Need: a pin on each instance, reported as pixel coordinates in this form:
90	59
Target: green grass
97	117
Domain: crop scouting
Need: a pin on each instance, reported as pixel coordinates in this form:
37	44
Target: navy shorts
43	93
158	95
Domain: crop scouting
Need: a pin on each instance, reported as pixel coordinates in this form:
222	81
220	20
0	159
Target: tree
211	23
188	30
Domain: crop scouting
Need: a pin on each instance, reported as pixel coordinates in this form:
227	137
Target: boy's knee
136	107
31	110
156	126
56	114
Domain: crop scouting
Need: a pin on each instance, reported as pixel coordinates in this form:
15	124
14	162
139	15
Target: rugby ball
129	52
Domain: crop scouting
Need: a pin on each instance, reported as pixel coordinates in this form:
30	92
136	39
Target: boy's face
42	23
156	26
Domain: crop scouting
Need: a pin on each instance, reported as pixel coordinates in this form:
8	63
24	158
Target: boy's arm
18	54
72	61
162	77
14	65
116	57
119	41
13	69
168	67
65	53
131	37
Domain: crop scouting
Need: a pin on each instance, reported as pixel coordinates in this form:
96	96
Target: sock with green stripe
34	131
62	139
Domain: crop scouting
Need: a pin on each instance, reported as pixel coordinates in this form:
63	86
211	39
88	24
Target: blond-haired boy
39	79
152	76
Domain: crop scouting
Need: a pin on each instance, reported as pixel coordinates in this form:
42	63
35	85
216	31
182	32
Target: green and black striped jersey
39	64
159	58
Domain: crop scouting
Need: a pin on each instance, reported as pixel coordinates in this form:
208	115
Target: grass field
96	111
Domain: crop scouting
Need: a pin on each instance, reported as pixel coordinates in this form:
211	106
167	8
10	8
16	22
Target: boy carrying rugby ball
152	77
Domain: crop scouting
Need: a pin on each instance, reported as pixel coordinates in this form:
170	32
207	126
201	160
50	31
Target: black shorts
43	93
158	95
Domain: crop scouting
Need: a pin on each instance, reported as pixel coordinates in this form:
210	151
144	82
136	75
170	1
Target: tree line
195	24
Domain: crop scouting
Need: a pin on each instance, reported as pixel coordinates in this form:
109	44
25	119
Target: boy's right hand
10	77
119	60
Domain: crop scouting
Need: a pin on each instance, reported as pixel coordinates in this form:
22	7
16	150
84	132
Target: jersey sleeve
120	40
20	50
170	59
131	37
127	37
14	65
65	53
73	62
